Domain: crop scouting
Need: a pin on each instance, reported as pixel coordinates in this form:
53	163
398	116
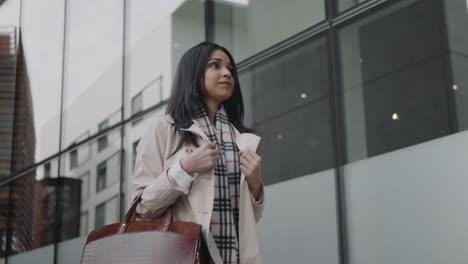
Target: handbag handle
131	215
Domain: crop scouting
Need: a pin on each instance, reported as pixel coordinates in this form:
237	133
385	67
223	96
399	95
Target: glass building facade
362	107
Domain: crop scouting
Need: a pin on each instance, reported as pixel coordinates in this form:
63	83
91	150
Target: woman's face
218	81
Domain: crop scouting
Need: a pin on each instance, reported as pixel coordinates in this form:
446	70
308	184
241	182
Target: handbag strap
131	216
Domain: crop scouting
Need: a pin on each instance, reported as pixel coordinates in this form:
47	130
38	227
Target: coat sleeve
149	175
259	204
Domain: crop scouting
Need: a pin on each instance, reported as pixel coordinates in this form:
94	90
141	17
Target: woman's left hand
251	166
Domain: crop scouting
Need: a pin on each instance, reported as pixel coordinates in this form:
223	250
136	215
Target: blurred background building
362	107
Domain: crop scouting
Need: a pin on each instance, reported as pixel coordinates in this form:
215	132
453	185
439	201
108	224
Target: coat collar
243	140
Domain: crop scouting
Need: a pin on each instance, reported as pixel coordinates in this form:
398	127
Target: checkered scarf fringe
225	218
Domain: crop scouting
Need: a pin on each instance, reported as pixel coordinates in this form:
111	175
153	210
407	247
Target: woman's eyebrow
218	59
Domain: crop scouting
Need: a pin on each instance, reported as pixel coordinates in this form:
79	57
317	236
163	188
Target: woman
198	159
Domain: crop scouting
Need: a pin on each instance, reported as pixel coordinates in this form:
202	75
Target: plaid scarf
225	218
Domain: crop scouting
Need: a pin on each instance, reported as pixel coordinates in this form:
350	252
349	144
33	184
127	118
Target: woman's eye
214	65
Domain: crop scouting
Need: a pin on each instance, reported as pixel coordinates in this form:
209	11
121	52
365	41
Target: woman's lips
225	83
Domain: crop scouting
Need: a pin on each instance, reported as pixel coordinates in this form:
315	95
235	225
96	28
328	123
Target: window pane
33	219
394	86
408	206
10	13
42	35
33	223
73	159
84	186
346	4
287	101
47	170
71	202
456	15
100	216
4	204
102	142
93	68
101	176
245	27
103	125
137	104
112	212
94	166
106	213
159	32
23	239
84	224
10	66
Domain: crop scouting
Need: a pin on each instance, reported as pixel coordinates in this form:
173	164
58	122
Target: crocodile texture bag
144	241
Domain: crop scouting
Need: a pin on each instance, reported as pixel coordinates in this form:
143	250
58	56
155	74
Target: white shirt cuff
179	178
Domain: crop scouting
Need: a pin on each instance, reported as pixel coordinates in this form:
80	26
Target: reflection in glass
345	4
133	134
29	225
456	15
47	168
10	13
98	171
246	28
84	224
4	207
42	36
102	141
84	185
106	213
134	152
287	101
394	87
8	61
99	220
137	106
101	176
137	103
33	222
73	159
160	32
93	68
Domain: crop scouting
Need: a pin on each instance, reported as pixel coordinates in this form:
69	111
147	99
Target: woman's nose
227	73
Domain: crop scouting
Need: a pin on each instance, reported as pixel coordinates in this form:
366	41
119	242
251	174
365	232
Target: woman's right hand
201	160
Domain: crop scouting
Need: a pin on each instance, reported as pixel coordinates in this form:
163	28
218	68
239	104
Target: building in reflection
94	163
45	217
33	204
362	107
7	86
17	126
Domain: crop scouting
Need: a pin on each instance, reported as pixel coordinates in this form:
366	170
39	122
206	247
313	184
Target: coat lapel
244	141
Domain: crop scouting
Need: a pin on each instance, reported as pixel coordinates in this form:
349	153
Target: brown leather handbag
144	241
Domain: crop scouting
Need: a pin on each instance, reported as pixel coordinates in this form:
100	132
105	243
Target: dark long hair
186	96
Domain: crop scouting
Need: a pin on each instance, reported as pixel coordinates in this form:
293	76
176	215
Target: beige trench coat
152	163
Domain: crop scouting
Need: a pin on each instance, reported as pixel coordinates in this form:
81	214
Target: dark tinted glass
346	4
287	101
395	79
